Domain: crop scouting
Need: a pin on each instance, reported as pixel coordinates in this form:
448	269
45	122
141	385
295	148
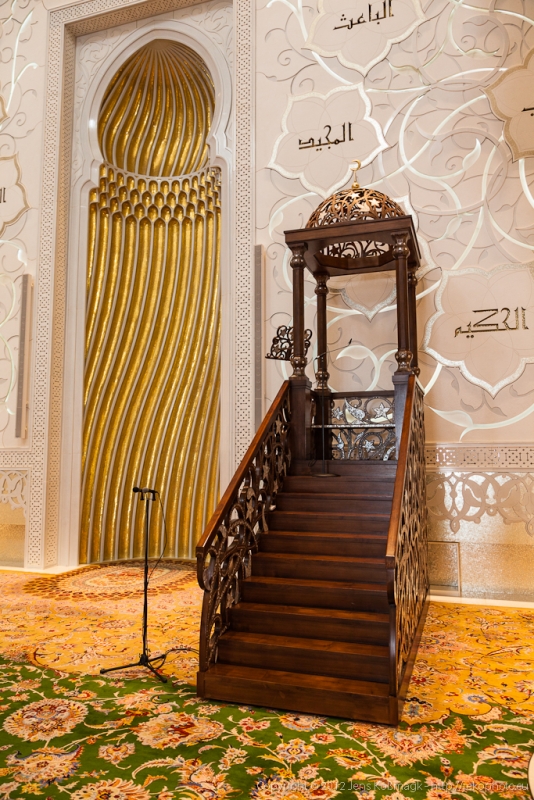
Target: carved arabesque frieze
14	488
457	497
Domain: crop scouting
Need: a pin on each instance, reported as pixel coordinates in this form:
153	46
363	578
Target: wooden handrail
378	393
233	533
228	498
400	478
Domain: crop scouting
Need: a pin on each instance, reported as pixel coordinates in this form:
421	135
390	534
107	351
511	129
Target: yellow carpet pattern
65	731
85	620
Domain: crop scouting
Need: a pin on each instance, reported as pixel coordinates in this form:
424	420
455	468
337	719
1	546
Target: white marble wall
415	82
406	88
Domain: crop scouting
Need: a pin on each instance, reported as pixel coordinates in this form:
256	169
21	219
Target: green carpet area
83	737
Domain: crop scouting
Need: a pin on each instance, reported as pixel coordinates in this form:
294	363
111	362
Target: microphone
145	491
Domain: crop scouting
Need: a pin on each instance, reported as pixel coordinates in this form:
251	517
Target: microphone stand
144	659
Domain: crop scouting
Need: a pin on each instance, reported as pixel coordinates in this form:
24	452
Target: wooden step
328	521
315	594
313	623
370	470
354	485
319	567
308	503
308	694
367	662
333	544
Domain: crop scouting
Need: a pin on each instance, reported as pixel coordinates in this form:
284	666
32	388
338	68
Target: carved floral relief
512	100
360	33
322	134
446	155
484	324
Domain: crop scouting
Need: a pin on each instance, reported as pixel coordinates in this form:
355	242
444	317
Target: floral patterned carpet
68	732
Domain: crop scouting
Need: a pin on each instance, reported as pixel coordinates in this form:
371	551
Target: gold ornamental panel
152	367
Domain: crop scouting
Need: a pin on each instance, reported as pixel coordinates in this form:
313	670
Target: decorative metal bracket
282	346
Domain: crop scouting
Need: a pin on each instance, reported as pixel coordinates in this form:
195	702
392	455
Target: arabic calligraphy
482	326
319	144
374	16
529	109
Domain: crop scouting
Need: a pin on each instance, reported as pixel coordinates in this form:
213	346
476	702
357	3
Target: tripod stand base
144	661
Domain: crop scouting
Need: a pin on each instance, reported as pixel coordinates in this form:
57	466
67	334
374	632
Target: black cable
164	537
161	659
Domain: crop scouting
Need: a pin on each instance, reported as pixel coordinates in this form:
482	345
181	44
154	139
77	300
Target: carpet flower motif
505	754
405	748
115	753
275	788
249	724
171	730
301	723
45	719
46	766
144	700
117	789
201	779
295	750
346	757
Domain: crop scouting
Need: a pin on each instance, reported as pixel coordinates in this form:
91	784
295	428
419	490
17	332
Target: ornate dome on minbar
354	205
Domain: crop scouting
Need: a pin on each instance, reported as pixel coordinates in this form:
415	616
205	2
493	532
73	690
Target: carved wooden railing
232	535
358	425
406	552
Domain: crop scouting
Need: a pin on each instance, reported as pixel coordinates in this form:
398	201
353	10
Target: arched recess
153	417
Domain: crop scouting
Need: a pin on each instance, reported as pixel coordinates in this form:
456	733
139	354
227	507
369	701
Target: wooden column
321	291
297	263
412	320
300	386
403	354
322	392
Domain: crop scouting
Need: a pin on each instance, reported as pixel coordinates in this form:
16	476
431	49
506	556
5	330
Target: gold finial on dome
355	166
356	204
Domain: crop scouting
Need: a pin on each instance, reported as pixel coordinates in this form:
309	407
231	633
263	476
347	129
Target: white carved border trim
483	457
65	25
458	497
13	488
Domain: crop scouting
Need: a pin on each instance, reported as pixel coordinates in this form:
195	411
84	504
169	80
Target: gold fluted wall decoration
156	113
152	369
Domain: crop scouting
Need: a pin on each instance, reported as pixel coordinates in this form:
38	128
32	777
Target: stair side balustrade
406	550
231	537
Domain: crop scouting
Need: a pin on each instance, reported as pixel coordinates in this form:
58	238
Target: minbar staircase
298	610
315	588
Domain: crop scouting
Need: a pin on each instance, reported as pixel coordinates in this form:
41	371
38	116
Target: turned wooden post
322	392
321	291
300	386
412	319
403	354
297	263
